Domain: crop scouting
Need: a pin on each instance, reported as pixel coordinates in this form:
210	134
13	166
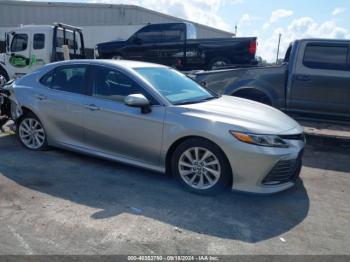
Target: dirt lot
59	202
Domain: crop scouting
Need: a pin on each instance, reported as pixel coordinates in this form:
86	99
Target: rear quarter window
46	80
324	56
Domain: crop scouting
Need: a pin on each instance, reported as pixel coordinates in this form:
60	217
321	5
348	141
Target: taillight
252	47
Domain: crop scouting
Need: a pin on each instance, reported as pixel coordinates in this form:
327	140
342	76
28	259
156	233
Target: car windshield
174	86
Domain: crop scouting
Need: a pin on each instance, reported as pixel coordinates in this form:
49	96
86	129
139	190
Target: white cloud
280	13
338	11
304	27
277	15
200	11
245	19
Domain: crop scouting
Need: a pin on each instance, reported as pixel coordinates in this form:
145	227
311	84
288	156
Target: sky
266	19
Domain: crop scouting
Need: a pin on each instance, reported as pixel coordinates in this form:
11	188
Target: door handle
304	78
41	97
92	107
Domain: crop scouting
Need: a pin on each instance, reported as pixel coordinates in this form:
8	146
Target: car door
19	57
143	45
61	101
116	129
171	48
41	49
321	82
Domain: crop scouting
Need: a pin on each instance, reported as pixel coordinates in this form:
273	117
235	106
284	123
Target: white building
100	22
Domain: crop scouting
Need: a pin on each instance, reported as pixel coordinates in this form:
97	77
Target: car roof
329	40
121	63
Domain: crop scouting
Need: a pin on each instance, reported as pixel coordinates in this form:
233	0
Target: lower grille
294	137
284	171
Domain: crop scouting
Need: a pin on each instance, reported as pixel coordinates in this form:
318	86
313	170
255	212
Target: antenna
278	47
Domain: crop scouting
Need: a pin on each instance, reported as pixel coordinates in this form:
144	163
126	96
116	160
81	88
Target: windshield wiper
197	101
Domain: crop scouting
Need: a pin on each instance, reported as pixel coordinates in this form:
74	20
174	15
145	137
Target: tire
198	181
117	57
263	99
4	74
31	133
217	62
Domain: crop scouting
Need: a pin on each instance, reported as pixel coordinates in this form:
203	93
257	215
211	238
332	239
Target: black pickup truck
313	81
175	44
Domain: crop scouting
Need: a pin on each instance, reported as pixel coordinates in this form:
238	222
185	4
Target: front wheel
200	166
31	133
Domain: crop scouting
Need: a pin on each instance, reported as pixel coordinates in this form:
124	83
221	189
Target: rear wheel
218	62
31	133
118	57
200	166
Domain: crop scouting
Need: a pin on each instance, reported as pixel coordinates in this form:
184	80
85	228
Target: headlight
260	140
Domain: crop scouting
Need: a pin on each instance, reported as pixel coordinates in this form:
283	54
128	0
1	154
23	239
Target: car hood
245	115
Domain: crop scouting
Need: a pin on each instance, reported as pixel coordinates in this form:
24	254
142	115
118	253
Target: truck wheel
218	62
117	57
4	74
256	96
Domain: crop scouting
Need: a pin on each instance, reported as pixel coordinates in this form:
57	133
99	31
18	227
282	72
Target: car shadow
115	189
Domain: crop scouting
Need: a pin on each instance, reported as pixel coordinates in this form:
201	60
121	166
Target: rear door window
150	34
173	35
70	79
38	41
323	56
174	32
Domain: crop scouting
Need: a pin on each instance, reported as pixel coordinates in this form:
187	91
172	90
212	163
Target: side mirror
137	40
138	100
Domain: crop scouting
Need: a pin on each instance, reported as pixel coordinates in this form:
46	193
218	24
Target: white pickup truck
32	46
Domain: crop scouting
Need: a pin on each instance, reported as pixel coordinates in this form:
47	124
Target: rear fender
254	85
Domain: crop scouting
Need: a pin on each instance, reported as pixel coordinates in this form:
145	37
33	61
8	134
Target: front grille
293	137
284	171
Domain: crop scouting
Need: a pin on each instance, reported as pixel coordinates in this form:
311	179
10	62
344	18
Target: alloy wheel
32	133
199	168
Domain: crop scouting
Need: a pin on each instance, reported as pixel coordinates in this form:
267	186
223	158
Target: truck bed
226	81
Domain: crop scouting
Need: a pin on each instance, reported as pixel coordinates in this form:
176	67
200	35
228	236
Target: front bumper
265	170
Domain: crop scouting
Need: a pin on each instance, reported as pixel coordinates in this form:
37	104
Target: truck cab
313	81
31	46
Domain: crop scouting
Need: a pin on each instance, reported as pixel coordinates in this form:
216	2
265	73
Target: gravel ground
58	202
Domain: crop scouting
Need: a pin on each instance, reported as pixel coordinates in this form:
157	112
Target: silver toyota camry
154	117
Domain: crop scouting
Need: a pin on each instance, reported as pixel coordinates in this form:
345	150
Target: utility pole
278	47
